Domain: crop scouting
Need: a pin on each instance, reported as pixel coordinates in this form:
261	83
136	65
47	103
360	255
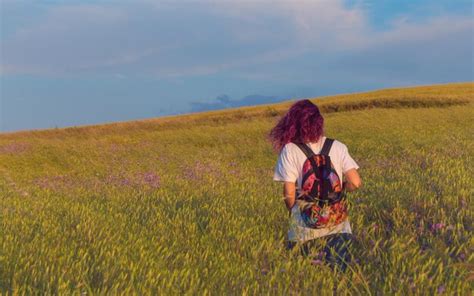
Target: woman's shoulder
292	150
289	147
339	144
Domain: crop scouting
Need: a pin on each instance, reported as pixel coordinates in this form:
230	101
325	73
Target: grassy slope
187	203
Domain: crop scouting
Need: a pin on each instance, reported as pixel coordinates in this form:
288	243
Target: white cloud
312	23
72	38
268	57
172	39
432	29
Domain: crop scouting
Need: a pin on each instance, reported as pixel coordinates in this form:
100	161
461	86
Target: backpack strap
327	146
306	149
309	154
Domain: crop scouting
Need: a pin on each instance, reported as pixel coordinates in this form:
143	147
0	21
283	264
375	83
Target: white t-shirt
289	169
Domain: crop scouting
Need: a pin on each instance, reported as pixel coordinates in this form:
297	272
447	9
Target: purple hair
302	124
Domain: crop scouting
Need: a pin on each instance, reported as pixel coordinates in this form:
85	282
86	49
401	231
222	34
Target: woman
303	124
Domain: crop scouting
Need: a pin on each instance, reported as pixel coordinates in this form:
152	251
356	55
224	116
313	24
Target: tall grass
188	206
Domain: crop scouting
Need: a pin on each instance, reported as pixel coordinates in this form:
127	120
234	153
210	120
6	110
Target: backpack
321	198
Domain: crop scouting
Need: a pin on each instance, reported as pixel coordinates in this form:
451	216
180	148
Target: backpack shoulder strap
306	150
327	146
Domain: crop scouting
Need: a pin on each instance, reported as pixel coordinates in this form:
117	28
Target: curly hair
303	123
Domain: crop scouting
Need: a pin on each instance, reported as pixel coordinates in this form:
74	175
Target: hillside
187	203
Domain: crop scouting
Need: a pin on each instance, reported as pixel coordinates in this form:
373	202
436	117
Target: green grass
187	204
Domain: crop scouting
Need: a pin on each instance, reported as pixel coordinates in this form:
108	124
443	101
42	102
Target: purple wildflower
54	182
321	255
200	170
14	148
152	179
437	226
316	262
125	182
372	243
441	289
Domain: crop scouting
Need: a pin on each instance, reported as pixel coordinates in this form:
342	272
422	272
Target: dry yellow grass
187	205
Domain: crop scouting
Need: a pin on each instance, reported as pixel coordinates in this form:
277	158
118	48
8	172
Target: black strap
309	154
306	150
327	146
325	151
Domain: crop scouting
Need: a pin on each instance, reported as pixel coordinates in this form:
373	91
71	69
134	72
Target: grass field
187	205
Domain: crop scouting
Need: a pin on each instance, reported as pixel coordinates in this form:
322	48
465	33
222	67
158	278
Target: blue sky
66	63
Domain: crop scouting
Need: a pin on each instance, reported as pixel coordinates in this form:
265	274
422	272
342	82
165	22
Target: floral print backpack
321	199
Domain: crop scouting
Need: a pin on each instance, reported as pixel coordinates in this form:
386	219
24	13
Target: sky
69	63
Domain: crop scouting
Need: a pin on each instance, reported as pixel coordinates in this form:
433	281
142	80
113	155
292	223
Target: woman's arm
289	192
353	181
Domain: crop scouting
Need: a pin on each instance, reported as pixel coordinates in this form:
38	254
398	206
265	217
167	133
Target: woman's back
289	168
290	162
